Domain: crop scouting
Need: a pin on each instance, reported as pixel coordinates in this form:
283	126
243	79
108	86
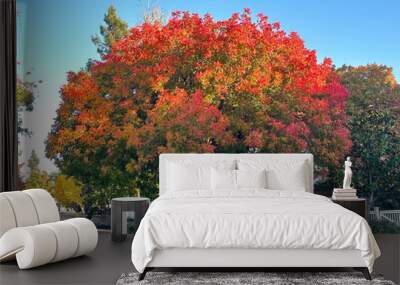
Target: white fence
388	215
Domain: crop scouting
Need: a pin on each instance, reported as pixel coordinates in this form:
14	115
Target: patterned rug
243	278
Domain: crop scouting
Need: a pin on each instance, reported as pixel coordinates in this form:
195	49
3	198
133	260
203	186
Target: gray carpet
243	278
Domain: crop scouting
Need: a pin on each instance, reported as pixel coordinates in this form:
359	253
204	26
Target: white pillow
223	179
183	177
251	178
226	179
173	179
288	174
292	180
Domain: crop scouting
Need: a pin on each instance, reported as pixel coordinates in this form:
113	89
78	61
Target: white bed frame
254	258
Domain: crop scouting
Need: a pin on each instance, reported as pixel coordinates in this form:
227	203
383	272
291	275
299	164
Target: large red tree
199	85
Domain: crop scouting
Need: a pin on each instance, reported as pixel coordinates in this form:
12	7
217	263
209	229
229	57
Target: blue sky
54	37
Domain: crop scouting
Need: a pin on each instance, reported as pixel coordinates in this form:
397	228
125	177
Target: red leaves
254	139
187	121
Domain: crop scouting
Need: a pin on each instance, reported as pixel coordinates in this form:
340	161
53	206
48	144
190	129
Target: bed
245	211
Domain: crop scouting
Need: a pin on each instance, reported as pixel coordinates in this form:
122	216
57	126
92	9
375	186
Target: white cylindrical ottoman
51	242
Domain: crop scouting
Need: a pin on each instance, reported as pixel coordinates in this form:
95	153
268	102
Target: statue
347	174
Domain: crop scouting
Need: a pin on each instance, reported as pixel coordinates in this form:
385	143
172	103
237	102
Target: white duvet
253	218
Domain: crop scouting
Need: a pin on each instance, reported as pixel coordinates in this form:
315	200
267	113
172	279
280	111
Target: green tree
373	108
25	97
113	30
38	178
33	162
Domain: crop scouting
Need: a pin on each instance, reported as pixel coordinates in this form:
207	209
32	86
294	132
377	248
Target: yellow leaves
67	191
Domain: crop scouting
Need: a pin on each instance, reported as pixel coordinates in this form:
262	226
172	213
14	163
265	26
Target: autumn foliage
197	85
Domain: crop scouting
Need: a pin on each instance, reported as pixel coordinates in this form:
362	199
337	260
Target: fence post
377	213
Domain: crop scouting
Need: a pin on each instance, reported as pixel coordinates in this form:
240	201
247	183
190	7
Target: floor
104	266
111	259
389	263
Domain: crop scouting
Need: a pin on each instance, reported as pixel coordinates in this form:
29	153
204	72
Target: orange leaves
80	87
171	99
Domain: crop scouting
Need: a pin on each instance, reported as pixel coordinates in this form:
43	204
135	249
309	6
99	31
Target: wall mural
190	82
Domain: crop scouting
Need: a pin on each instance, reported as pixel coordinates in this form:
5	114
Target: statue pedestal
344	194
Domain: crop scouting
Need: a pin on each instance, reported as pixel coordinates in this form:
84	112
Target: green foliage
384	227
376	152
33	162
24	95
104	175
370	86
373	108
24	98
114	29
38	178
